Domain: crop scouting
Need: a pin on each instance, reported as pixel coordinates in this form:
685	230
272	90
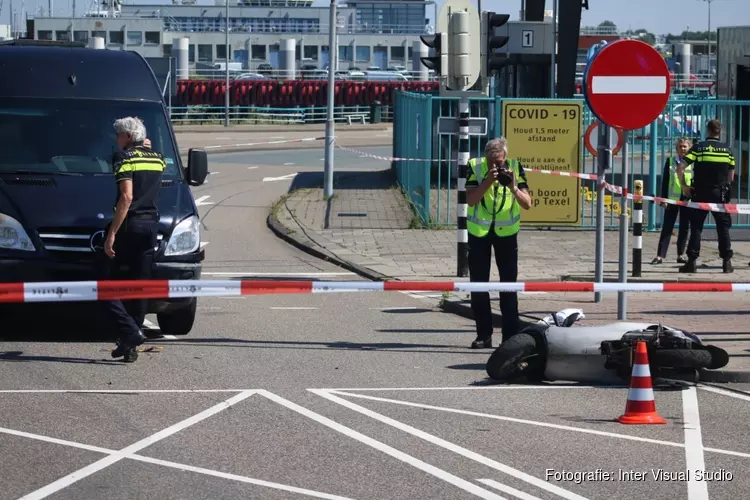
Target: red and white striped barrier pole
84	291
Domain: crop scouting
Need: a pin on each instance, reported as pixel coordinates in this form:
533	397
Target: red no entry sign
627	84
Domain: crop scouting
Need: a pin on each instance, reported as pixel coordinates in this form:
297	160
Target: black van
58	103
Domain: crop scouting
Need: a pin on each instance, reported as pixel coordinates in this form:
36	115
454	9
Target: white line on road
214	173
725	393
415	462
341	392
118	391
539	483
288	163
173	465
301	275
394	308
251	168
628	85
293	308
282	178
202	201
105	462
694	460
507	489
235	477
468	388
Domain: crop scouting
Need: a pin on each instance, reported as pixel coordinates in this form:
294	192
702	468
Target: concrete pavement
359	395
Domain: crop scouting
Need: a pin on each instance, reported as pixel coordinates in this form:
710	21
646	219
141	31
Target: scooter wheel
682	358
504	363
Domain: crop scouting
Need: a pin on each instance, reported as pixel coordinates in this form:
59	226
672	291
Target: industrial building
380	33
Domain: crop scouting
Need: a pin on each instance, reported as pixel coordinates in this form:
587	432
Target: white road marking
118	391
174	465
301	275
288	163
539	483
251	168
341	392
694	460
202	201
105	462
725	393
507	489
468	388
235	477
282	178
628	85
415	462
394	308
214	173
293	308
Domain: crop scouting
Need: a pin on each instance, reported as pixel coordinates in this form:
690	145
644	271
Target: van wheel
178	322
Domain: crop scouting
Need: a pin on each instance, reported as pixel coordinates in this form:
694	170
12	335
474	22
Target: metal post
603	158
652	172
328	166
637	229
553	79
462	234
622	297
226	68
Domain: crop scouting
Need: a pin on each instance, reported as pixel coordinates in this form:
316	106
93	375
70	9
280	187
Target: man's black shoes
727	266
482	342
127	348
690	267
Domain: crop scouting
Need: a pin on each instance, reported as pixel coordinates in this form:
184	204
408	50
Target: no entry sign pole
627	85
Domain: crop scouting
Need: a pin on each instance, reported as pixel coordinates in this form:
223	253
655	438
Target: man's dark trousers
670	217
480	262
723	225
134	255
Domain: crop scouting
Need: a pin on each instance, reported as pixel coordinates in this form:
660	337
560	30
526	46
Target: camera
504	177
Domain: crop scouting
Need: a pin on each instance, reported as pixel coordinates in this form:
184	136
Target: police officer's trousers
670	217
134	252
723	225
480	262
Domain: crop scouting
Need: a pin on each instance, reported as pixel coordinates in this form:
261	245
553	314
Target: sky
656	16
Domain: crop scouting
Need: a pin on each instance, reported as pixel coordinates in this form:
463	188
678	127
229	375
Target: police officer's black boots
482	342
127	347
727	266
690	267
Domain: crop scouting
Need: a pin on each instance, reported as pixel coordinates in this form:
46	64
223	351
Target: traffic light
439	61
490	42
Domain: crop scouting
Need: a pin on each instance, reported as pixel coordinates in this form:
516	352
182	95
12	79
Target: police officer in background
713	174
496	190
672	190
132	235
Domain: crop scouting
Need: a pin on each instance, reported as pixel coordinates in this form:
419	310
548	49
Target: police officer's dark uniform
712	162
135	242
494	222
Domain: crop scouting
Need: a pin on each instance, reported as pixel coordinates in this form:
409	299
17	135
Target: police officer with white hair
496	191
132	235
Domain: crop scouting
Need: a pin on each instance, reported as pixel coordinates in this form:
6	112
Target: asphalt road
244	406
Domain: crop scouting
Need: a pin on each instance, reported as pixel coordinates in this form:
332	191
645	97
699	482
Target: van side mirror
197	169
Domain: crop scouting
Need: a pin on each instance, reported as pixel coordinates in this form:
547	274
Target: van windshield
74	136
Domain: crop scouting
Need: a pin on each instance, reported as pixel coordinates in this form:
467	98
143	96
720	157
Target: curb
282	232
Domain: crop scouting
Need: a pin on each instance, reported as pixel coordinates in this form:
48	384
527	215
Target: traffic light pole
603	159
462	233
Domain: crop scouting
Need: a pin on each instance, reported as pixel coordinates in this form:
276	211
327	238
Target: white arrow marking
282	178
202	201
628	85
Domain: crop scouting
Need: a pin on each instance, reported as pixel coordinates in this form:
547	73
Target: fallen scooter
553	349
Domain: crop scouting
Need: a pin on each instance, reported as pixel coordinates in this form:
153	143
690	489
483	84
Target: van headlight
186	237
13	236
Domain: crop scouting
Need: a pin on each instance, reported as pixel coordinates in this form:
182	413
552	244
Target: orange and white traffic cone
641	406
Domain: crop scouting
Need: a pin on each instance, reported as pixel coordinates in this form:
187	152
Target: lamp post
333	49
226	67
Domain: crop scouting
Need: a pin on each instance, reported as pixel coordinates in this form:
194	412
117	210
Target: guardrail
289	26
303	74
256	115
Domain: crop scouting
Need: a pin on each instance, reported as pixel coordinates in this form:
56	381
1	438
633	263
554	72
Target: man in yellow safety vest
671	188
496	190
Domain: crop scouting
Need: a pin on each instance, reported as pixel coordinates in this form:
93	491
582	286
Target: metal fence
266	115
429	180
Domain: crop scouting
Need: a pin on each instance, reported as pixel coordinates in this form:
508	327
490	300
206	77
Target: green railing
434	177
262	115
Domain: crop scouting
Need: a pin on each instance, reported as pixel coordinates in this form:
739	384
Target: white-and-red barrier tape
82	291
730	208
